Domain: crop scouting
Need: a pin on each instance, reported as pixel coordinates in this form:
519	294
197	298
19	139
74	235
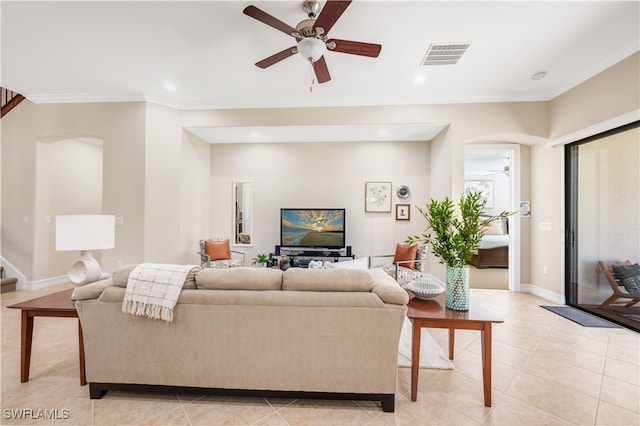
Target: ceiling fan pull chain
313	80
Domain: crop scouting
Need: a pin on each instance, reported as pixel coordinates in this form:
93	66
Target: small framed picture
403	211
377	197
484	187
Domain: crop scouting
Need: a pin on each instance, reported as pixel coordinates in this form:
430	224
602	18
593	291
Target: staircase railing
9	100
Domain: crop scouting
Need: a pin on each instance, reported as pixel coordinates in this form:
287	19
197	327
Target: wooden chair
619	292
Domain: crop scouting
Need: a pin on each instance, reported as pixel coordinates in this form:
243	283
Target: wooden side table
434	314
54	305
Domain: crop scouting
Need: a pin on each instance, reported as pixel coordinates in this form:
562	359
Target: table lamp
85	233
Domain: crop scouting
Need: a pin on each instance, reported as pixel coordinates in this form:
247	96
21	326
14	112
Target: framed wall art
484	187
403	211
377	197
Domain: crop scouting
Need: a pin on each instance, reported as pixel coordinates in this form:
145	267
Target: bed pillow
629	276
494	228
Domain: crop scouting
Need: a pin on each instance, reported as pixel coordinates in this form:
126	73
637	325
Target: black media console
301	258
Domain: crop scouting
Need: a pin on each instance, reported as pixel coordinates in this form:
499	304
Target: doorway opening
494	168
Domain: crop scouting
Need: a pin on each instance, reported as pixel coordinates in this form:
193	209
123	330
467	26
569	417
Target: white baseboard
47	282
543	293
23	284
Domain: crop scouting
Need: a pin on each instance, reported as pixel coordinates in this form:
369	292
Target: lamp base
85	270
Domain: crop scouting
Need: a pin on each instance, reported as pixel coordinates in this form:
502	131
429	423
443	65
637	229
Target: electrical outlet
545	269
119	264
545	226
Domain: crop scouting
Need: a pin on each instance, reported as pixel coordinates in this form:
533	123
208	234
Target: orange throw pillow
406	252
217	250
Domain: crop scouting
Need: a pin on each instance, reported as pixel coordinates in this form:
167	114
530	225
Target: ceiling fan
504	171
312	36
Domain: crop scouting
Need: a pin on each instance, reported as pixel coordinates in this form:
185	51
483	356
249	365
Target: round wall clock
403	191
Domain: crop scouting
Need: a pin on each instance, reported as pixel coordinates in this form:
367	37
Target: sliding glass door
602	186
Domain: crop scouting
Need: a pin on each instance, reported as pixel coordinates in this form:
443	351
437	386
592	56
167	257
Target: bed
493	251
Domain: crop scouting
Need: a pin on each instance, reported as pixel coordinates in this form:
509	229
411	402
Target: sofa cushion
387	288
92	290
299	279
240	278
120	276
361	263
629	276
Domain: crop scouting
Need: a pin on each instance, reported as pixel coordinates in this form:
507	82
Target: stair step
8	284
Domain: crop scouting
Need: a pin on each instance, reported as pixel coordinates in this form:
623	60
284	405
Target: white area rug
431	356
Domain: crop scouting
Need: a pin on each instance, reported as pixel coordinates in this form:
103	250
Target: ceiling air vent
444	54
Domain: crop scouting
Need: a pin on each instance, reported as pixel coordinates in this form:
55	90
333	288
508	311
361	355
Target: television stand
302	259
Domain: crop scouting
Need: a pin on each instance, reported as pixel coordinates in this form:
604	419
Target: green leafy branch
454	238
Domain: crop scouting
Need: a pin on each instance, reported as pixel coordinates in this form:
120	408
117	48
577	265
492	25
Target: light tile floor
546	370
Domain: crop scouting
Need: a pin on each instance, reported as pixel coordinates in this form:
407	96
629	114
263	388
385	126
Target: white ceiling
87	51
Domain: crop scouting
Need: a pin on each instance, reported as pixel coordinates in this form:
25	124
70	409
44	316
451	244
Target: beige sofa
304	333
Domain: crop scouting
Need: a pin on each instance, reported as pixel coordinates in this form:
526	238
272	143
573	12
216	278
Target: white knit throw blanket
153	289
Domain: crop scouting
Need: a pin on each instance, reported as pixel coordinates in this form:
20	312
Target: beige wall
320	175
612	93
162	185
195	196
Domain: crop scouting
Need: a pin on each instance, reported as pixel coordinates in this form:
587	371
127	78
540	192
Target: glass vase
457	288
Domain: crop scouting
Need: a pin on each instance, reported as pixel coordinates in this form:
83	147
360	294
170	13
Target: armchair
216	253
619	287
405	265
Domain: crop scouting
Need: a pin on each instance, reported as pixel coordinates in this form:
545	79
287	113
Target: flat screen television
312	229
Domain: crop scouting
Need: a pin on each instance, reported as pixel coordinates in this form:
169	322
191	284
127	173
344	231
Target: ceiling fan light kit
311	36
311	48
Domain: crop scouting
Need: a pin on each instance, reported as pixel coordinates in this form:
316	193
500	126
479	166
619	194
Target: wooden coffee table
433	314
54	305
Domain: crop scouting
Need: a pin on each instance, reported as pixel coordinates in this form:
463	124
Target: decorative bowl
426	288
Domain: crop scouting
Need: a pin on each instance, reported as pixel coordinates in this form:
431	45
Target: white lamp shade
85	232
311	48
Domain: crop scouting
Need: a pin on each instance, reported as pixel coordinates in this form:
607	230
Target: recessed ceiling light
419	79
170	87
539	75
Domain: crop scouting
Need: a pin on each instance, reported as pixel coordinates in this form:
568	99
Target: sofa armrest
92	290
387	289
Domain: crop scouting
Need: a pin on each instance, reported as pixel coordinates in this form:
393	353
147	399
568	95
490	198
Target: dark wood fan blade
273	59
330	13
356	48
322	72
265	18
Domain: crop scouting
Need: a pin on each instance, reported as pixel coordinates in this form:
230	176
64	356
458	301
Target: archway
69	174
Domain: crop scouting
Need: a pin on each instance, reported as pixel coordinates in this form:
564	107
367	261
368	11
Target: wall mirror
243	212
